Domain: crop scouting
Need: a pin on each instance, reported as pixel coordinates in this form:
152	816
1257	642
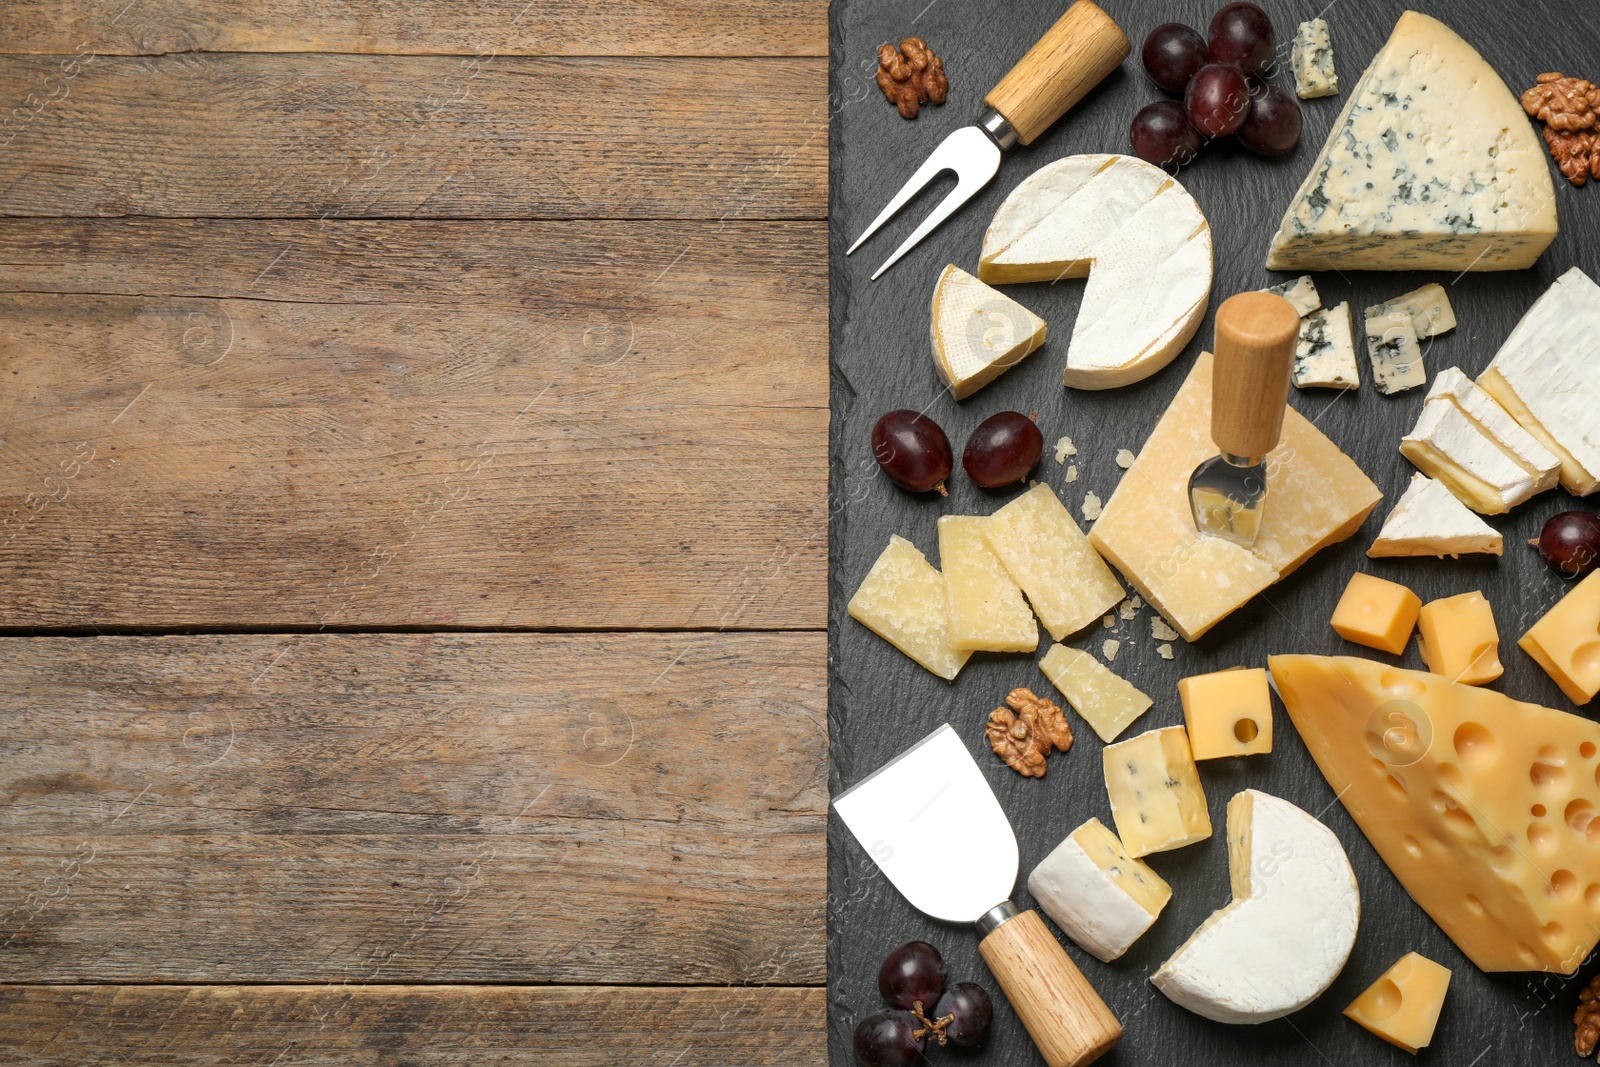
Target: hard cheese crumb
1161	631
1124	458
1110	649
1065	448
1164	651
1072	473
1128	609
1108	621
1091	507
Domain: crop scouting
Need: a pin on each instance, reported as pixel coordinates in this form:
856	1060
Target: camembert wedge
978	332
1447	445
1430	521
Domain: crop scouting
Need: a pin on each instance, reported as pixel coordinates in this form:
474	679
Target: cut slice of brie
1325	355
1429	308
1103	898
1497	424
1447	445
1430	521
978	332
1291	925
1141	239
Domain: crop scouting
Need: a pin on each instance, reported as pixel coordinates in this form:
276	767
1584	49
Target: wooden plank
427	27
472	424
266	136
413	808
423	1026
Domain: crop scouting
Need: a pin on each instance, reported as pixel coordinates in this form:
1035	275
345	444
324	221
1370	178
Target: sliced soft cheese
1396	356
1141	239
1289	930
1103	898
978	332
1104	699
1311	58
1429	308
1430	521
1319	497
1432	165
1447	445
1498	425
1325	355
987	612
1545	376
1046	554
1301	292
902	600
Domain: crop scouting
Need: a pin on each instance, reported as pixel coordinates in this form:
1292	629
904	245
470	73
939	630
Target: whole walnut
1587	1018
1026	730
1563	103
911	76
1574	153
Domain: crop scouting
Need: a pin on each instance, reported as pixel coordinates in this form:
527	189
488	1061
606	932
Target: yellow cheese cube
1459	640
1403	1006
1564	642
1229	713
987	611
902	600
1376	613
1107	701
1046	554
1156	799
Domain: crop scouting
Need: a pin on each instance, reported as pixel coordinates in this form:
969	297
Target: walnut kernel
1026	730
911	76
1587	1018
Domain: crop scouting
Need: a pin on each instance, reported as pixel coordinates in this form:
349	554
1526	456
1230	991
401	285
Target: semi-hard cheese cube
1459	639
1447	445
1046	554
1403	1006
1430	520
1105	700
1229	713
1318	497
1396	356
1325	354
987	611
903	600
1156	799
1377	613
1312	61
978	332
1566	641
1103	898
1482	806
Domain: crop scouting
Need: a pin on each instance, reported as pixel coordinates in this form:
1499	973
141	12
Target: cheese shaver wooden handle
1071	58
1069	1023
1256	334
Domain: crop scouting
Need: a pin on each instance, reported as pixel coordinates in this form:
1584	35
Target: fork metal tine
974	158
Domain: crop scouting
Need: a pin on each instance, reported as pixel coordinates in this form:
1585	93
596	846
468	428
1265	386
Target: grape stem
936	1027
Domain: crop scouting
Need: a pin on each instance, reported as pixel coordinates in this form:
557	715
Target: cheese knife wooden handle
1256	334
1071	58
1069	1023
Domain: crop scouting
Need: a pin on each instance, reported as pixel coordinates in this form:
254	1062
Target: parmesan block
987	612
903	600
1103	898
978	333
1046	554
1102	698
1156	799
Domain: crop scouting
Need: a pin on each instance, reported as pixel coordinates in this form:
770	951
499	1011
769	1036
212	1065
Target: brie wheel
1430	521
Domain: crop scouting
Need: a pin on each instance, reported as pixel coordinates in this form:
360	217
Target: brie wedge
1446	445
1139	237
1102	898
978	332
1396	356
1325	355
1429	308
1545	376
1495	423
1430	521
1432	165
1302	293
1291	925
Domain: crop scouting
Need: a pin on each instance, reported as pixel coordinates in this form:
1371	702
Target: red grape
1002	450
1172	53
1273	125
912	974
1570	543
1218	100
912	451
971	1013
1241	36
884	1040
1161	134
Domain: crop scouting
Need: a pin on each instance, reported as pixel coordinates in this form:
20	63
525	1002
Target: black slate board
880	701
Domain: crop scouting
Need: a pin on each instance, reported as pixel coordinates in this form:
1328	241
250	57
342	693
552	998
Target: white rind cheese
1429	308
1289	930
1302	293
1102	898
1446	445
1312	60
1432	165
1498	425
1430	521
1325	355
1545	376
1141	239
1396	356
978	332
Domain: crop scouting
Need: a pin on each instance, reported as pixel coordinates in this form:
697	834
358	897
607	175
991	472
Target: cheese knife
932	825
1071	58
1256	334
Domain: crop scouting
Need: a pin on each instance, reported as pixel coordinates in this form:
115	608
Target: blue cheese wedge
1430	521
978	333
1312	60
1325	355
1432	165
1429	308
1302	293
1396	356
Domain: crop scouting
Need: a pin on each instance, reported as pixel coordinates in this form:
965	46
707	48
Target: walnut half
1026	730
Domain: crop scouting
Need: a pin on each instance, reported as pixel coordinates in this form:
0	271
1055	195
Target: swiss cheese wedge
1483	806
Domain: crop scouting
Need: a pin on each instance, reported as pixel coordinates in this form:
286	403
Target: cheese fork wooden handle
1069	1023
1071	58
1256	334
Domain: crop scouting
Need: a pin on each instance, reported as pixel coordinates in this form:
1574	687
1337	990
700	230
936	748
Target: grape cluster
915	453
911	978
1223	79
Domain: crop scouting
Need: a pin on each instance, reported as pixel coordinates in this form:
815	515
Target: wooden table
413	532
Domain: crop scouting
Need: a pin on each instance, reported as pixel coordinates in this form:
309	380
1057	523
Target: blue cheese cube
1325	356
1312	60
1396	356
1302	293
1429	308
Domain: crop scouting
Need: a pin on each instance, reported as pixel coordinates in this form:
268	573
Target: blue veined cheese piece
1396	356
1432	166
1312	60
1429	308
1302	293
1325	355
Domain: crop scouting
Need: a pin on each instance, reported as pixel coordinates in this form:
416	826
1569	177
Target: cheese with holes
1317	497
902	600
1289	929
1459	639
1301	292
1402	1007
978	332
1046	554
1100	896
1227	713
987	612
1325	354
1482	806
1139	237
1396	357
1376	613
1432	165
1430	520
1156	799
1428	308
1495	423
1544	375
1447	445
1566	642
1102	698
1311	59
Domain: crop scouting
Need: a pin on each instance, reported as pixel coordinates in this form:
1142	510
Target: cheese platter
1370	721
